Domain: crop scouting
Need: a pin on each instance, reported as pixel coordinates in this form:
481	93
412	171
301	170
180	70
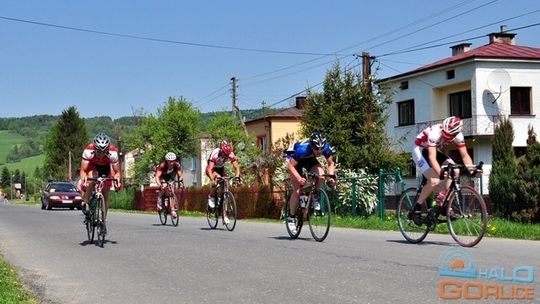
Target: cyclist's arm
331	165
465	157
236	167
83	173
117	174
180	174
158	176
432	157
209	168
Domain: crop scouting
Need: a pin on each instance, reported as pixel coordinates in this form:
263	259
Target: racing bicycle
225	204
169	202
95	221
463	209
313	207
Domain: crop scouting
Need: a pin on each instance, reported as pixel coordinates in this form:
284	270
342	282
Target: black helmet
102	142
317	140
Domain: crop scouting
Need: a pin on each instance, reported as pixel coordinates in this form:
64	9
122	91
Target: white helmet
102	142
452	125
170	156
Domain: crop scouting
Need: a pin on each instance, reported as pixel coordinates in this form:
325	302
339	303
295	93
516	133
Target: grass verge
11	288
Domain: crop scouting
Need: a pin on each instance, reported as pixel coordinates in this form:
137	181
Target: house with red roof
480	85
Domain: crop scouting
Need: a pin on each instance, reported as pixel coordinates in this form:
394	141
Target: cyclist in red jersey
428	158
167	170
99	158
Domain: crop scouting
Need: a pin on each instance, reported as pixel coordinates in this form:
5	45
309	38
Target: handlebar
449	167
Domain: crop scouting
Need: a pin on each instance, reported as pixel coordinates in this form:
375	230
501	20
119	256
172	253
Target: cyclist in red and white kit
216	166
428	157
99	158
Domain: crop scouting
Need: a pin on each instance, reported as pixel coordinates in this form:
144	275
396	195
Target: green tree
6	177
353	118
173	129
529	180
503	177
65	142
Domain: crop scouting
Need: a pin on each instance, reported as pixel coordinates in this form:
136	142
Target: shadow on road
286	238
423	243
87	242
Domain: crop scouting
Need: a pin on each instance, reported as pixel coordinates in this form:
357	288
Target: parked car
60	195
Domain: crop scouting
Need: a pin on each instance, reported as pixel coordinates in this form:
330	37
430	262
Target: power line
215	46
452	42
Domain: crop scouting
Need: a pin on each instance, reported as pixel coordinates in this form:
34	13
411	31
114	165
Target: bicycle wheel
467	216
100	221
412	232
173	205
212	215
298	221
229	210
319	220
90	228
163	212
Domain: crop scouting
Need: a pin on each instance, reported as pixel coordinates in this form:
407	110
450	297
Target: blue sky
274	48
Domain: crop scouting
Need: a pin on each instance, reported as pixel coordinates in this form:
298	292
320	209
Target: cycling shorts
420	158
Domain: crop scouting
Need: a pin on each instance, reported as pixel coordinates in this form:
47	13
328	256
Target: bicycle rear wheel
173	205
412	232
100	221
229	210
319	220
467	216
212	215
298	221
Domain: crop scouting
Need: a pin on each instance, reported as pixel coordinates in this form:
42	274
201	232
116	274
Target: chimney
300	102
460	48
502	37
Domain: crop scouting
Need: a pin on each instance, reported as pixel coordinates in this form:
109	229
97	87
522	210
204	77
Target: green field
27	165
7	141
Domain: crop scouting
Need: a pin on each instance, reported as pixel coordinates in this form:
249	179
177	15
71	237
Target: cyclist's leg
419	156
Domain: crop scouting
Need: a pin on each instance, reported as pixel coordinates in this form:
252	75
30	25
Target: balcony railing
474	126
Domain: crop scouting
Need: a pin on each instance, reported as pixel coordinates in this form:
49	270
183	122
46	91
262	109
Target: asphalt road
145	262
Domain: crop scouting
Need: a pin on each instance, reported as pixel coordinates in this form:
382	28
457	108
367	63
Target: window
406	113
450	74
520	100
460	104
404	85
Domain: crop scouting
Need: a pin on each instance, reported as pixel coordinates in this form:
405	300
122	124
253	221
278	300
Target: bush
366	192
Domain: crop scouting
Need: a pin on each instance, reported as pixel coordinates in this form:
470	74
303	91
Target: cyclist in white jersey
428	158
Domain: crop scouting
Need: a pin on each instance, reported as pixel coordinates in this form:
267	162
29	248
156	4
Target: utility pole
235	109
69	165
366	70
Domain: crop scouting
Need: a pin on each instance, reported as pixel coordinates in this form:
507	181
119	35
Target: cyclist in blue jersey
303	154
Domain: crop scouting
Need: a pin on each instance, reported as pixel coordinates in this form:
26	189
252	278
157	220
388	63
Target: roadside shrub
366	192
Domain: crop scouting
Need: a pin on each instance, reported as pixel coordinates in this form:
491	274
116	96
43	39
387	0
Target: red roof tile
493	51
488	51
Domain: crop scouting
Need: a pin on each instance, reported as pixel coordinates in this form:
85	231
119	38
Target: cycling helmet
170	156
102	142
452	126
225	147
317	141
